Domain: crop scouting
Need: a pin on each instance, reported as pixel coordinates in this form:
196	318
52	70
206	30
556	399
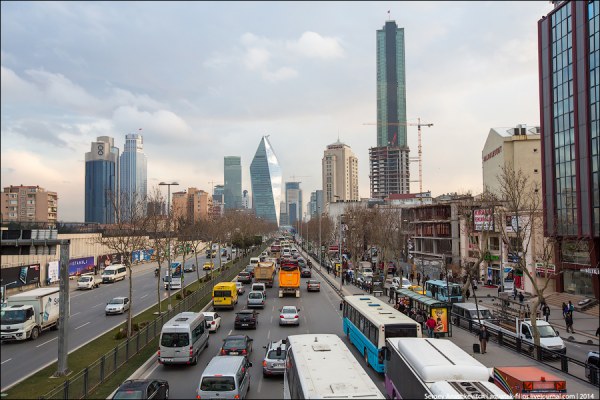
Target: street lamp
168	185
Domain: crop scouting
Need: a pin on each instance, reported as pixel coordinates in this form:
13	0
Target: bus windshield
400	331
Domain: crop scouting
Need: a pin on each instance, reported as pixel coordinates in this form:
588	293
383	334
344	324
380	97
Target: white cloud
57	88
313	45
281	74
160	124
256	58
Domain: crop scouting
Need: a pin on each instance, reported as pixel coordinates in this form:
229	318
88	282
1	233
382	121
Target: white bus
320	366
368	321
420	368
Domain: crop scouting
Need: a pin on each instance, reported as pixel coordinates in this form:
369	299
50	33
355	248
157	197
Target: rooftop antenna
338	134
389	16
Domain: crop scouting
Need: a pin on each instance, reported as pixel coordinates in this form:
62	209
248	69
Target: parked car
189	268
401	283
305	273
236	345
208	266
592	367
274	361
244	277
118	305
213	320
313	285
246	319
240	286
288	315
143	389
256	299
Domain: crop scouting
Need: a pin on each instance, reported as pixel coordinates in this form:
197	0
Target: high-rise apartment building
101	181
339	173
133	175
194	205
28	204
266	179
293	202
389	161
569	67
232	174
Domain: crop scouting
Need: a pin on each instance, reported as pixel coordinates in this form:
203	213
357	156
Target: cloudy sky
204	80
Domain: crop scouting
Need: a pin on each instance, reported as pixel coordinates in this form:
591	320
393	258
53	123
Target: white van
114	273
254	260
465	313
225	377
182	338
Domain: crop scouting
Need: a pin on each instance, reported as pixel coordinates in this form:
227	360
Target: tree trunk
158	286
130	300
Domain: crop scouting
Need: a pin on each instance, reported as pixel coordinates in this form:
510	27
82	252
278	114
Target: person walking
468	294
420	318
565	310
515	293
546	312
484	336
391	294
430	324
571	308
521	297
569	322
418	278
412	276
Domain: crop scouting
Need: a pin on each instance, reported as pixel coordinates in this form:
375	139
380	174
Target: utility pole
63	313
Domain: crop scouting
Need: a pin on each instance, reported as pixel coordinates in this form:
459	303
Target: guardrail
83	383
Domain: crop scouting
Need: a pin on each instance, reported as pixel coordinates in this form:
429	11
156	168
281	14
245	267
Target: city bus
439	290
320	366
368	321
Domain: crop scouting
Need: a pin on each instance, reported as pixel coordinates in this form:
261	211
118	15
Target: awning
421	298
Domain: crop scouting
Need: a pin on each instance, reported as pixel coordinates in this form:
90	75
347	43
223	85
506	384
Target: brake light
212	323
191	351
295	316
264	363
223	352
281	316
237	396
244	352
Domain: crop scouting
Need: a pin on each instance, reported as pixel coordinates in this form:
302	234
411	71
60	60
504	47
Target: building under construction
389	171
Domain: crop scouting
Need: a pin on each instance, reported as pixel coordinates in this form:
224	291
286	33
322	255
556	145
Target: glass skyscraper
293	202
266	180
133	174
232	171
101	181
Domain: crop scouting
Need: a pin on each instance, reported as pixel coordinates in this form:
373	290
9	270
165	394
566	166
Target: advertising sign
78	266
141	255
20	276
514	224
440	315
483	219
108	259
53	271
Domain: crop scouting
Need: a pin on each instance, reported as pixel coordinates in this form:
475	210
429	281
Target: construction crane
420	158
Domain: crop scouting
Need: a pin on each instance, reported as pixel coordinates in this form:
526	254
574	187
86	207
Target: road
87	321
319	312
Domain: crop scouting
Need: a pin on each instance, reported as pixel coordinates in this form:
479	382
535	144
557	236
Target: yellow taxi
208	266
417	289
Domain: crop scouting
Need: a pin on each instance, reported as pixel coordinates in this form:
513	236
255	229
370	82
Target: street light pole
170	281
340	250
320	251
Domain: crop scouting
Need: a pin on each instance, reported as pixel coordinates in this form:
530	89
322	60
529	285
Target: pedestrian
468	294
521	297
569	322
420	318
546	312
430	324
565	310
598	331
484	336
515	293
391	293
441	276
412	276
418	278
571	308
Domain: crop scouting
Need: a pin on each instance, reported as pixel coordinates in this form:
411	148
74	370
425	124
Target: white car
288	315
400	283
87	282
118	305
240	287
213	321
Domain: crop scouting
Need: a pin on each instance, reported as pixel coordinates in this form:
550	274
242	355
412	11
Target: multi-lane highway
87	321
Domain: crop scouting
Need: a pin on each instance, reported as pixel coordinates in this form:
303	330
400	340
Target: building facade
245	200
101	181
389	171
293	202
28	204
569	67
133	174
266	180
339	173
316	203
232	175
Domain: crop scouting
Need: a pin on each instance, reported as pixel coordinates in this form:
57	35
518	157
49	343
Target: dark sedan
305	273
143	389
313	285
246	319
236	345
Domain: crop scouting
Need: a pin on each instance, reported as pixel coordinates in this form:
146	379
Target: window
197	332
172	339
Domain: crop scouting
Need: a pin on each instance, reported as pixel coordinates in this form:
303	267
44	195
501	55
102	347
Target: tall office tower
232	172
339	173
293	202
101	181
569	80
265	177
316	203
245	199
283	215
389	161
133	175
28	203
219	194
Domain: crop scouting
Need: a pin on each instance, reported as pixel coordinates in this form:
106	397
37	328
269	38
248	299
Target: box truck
28	314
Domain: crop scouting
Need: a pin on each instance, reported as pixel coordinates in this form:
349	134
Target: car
244	277
189	268
208	266
118	305
313	285
401	283
592	367
88	282
305	273
250	270
246	319
417	289
240	287
288	315
143	389
274	361
213	320
302	262
236	345
256	299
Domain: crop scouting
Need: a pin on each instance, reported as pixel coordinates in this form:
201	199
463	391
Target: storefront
580	281
439	311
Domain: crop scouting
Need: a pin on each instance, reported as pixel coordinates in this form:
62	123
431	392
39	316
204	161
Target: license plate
244	324
233	353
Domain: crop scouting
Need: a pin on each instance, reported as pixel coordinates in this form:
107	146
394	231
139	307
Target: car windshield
313	282
288	310
217	384
255	296
129	394
116	301
274	356
546	331
84	279
108	272
13	316
174	339
234	344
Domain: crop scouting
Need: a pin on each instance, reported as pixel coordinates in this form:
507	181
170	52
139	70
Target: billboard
78	266
20	276
440	315
141	255
108	259
483	219
53	271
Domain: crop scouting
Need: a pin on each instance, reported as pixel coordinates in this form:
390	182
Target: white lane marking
78	312
149	373
231	330
5	361
260	381
269	335
97	305
48	341
271	319
82	325
143	296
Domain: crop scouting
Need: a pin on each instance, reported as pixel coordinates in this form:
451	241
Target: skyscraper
133	175
340	173
265	177
569	81
389	161
293	202
101	181
232	175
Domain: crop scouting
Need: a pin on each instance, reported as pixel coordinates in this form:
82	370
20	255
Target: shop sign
513	258
592	271
483	219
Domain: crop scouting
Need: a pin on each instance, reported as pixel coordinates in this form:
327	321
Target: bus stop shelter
438	310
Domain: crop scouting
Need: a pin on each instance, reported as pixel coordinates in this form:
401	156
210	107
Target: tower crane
419	124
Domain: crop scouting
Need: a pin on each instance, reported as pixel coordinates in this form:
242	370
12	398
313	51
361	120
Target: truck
365	269
264	272
289	278
173	280
529	382
88	281
30	313
521	328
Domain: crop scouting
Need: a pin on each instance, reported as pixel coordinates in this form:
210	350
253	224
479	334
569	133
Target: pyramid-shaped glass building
265	175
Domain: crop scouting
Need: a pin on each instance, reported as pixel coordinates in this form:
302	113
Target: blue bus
439	290
368	322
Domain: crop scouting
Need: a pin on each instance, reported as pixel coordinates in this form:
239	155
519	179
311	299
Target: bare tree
157	229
